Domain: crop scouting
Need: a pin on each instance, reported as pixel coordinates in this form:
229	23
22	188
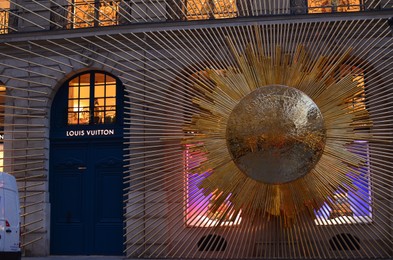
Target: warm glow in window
198	204
4	16
79	100
92	99
328	6
108	13
89	13
104	99
358	101
207	9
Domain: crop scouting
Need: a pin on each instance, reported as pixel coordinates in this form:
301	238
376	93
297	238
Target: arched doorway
86	165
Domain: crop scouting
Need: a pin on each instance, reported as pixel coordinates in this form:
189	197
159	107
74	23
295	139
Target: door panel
109	201
86	198
68	223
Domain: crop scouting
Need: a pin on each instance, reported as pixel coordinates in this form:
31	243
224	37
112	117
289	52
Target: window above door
91	99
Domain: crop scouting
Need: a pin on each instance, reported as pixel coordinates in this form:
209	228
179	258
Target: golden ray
342	113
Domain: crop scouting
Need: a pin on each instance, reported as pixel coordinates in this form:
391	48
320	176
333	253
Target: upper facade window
4	16
328	6
72	14
84	13
92	99
211	9
93	13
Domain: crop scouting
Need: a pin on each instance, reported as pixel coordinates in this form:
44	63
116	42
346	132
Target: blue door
86	168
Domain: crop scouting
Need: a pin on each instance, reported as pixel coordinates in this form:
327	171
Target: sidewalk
99	257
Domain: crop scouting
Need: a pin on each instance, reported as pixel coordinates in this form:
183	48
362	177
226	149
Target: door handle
8	231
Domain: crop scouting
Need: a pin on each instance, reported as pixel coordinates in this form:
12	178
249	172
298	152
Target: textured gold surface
345	119
275	134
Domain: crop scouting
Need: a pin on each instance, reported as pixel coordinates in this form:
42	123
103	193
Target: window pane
225	8
99	78
4	17
72	118
84	116
78	99
97	109
83	13
74	82
4	4
327	6
348	6
108	13
99	103
104	107
84	92
84	103
85	79
99	91
89	13
111	90
110	80
110	117
73	105
111	102
205	9
73	92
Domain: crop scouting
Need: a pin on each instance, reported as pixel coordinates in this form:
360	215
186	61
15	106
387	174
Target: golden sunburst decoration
273	128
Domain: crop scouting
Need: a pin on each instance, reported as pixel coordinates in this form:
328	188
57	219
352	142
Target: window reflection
92	99
199	205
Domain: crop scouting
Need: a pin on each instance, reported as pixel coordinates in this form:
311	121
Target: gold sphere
276	134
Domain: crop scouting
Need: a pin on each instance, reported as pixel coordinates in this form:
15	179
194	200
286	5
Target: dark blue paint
86	186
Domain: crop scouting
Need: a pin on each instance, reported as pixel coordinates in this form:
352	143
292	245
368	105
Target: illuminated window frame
92	101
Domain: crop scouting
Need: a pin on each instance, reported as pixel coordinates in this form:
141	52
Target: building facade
112	118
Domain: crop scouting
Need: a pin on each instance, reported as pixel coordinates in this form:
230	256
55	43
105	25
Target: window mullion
92	98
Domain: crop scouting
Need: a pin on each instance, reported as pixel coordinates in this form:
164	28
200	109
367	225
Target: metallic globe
275	134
